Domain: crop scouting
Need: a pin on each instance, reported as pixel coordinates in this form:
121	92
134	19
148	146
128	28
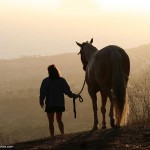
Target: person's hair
53	72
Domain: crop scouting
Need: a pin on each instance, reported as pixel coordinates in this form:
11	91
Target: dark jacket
52	91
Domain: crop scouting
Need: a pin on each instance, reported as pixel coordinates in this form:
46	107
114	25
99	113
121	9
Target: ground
124	138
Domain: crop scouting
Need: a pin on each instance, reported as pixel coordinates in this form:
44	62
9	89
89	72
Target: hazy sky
32	27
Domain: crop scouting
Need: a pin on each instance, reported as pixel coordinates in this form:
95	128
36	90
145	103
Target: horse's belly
99	78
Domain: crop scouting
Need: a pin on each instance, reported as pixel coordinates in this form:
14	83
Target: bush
139	99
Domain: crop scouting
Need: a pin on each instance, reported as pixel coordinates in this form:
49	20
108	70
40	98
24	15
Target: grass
139	99
6	137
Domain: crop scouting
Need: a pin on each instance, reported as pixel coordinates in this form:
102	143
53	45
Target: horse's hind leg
103	110
111	113
94	102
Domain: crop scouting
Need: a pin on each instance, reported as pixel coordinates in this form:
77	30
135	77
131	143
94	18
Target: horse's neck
90	53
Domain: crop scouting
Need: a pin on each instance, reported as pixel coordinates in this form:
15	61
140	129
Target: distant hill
143	51
139	58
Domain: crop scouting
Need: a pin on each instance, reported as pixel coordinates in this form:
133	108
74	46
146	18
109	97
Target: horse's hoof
95	128
103	127
117	126
112	123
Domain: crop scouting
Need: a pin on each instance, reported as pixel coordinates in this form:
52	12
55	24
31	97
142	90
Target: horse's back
110	49
105	54
101	65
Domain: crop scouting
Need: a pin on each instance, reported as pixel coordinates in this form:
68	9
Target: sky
47	27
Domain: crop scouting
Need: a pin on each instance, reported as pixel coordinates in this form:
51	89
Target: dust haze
22	118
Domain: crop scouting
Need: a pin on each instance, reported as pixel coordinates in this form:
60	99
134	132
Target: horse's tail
119	87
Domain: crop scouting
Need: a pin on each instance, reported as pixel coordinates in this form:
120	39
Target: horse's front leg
94	102
103	110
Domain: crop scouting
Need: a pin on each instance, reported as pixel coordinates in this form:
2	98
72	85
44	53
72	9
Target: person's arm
67	90
43	92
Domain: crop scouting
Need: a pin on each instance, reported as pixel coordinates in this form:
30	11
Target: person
52	91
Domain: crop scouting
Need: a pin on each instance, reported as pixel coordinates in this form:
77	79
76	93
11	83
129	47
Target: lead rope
80	100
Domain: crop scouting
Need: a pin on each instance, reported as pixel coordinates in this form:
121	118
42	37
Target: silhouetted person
52	91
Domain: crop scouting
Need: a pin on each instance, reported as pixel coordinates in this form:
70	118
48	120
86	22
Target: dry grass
6	137
139	99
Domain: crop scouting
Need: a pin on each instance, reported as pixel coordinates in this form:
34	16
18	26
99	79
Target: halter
83	44
83	59
80	100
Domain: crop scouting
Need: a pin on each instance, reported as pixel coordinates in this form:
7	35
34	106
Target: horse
106	71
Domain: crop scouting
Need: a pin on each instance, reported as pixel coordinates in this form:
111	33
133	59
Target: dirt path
135	137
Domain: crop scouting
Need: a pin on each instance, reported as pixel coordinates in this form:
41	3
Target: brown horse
107	71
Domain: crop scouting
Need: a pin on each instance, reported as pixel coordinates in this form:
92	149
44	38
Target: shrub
139	99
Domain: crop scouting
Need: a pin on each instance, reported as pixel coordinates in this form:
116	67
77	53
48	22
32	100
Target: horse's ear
91	41
80	45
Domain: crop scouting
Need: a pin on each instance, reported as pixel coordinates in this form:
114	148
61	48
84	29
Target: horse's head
83	52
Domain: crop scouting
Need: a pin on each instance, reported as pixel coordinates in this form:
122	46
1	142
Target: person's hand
76	96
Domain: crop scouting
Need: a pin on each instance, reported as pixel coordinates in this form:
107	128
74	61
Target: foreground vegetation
139	99
127	138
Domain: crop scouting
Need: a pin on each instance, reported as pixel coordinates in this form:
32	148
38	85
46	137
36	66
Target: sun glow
124	5
51	4
34	4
